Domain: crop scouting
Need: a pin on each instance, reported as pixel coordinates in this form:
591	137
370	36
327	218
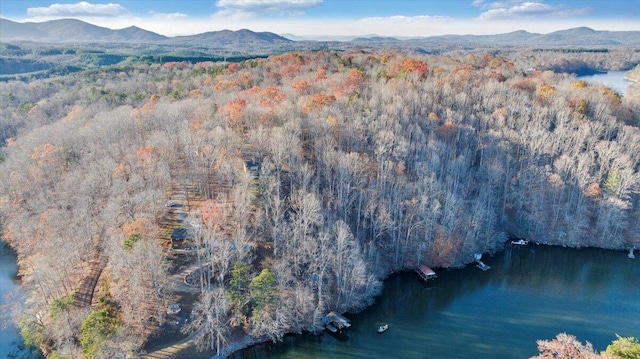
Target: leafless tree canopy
328	170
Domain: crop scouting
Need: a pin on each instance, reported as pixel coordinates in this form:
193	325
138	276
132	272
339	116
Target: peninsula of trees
303	179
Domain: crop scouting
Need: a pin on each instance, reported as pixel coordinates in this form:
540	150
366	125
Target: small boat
521	242
383	328
331	328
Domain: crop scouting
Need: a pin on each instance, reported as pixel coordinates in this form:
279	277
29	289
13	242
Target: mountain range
580	36
72	30
76	31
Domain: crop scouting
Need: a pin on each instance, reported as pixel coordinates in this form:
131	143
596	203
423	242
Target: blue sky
337	17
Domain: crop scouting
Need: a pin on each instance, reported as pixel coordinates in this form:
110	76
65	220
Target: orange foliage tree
353	82
580	84
498	76
447	131
213	215
74	113
545	92
414	66
593	190
232	112
271	96
122	171
408	66
232	67
463	73
317	102
145	153
149	105
137	226
321	73
301	87
526	83
612	96
444	250
47	154
226	86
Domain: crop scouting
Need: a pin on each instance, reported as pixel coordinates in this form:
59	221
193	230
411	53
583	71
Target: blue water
530	293
9	335
613	79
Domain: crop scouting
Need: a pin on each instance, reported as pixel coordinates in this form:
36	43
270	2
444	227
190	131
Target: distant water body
531	292
613	79
9	336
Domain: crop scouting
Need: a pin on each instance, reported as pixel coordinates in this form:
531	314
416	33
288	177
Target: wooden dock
479	263
335	322
482	266
331	328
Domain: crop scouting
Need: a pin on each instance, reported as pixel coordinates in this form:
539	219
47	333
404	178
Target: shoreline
246	342
249	341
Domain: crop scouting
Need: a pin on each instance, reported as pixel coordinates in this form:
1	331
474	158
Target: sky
325	18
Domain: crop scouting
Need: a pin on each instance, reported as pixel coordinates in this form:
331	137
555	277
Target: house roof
426	270
179	234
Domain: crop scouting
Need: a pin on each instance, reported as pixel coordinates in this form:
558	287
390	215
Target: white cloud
165	16
405	19
82	8
516	9
266	6
483	4
400	25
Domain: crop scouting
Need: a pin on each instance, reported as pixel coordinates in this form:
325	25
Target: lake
531	292
613	79
9	336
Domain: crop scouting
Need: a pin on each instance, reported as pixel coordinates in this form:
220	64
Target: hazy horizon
333	18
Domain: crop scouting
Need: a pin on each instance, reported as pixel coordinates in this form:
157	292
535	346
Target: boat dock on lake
479	263
426	273
335	322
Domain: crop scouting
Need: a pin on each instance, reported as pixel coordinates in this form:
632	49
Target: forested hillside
305	178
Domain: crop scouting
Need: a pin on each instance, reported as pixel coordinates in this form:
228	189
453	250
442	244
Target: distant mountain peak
376	39
584	29
231	36
132	27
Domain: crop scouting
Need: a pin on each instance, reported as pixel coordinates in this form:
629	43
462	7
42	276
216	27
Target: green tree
263	290
624	348
60	305
239	285
583	107
96	330
32	332
131	240
612	183
57	355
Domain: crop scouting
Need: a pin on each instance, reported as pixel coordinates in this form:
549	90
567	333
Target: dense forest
302	180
